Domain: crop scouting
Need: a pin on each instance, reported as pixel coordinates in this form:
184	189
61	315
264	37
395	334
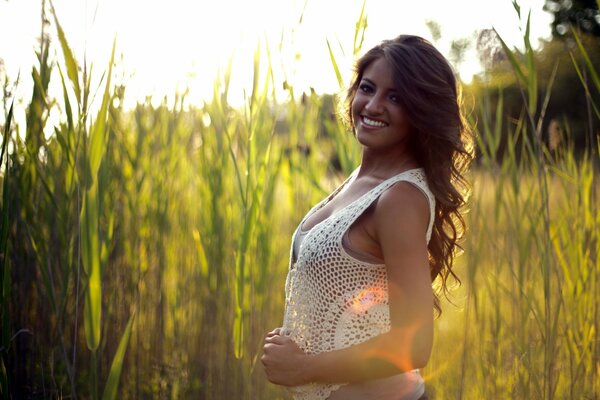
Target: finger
276	331
277	339
267	347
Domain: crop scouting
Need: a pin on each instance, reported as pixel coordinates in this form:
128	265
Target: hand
284	362
275	332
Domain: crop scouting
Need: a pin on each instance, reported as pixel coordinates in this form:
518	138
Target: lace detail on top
334	300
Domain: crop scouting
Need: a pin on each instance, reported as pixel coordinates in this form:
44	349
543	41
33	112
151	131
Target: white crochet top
334	300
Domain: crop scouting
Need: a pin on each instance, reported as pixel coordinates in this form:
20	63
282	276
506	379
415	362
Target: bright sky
164	46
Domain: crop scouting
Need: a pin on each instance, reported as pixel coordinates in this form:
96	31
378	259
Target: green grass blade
238	333
90	249
512	59
90	216
547	97
202	259
584	83
360	28
255	80
6	133
114	375
586	57
68	108
70	61
517	8
335	66
5	280
532	83
99	132
497	134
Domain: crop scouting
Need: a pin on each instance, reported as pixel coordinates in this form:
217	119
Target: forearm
380	357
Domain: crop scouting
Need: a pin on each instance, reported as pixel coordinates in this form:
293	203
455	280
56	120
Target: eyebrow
367	80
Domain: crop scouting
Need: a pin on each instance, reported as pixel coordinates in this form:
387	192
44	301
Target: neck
384	164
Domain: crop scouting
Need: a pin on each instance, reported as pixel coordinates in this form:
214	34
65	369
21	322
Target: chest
347	196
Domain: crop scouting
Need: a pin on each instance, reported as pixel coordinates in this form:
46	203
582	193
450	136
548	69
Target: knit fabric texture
334	300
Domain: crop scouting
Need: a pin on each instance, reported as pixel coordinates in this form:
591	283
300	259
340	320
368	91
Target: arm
399	224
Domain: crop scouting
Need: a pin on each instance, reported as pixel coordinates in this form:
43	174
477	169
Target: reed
147	255
5	283
531	261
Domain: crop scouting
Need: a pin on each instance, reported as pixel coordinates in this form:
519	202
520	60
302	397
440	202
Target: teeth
372	122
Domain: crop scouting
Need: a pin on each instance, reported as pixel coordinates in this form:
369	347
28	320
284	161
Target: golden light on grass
191	208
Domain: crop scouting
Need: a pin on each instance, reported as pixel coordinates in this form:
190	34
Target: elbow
421	351
417	359
415	351
406	359
400	363
420	360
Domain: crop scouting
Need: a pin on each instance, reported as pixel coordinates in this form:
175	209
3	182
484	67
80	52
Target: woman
359	300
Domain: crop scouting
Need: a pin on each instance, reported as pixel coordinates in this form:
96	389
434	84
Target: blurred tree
568	105
435	29
489	48
583	14
458	50
568	109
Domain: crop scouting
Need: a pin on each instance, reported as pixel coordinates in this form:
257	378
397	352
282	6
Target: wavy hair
441	139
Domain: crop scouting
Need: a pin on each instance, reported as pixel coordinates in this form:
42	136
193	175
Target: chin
370	140
363	139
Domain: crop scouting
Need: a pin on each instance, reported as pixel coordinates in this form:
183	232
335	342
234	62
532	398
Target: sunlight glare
176	46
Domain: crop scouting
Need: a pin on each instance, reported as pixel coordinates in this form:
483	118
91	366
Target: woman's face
380	121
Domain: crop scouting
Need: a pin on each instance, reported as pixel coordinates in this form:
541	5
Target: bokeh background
157	156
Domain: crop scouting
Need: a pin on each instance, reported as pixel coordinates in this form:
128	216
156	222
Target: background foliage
143	252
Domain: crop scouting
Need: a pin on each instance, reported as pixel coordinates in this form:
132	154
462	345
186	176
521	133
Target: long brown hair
441	139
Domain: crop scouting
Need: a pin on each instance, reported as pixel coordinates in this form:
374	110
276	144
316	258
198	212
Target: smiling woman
379	119
190	209
359	300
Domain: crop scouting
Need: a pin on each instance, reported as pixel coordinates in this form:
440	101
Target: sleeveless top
334	300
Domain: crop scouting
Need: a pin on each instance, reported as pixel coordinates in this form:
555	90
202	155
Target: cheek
402	119
356	107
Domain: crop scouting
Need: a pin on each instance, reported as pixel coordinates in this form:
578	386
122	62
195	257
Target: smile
374	123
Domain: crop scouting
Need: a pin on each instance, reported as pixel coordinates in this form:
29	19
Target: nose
374	105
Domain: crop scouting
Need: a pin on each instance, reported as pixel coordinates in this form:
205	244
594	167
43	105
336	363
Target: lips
372	123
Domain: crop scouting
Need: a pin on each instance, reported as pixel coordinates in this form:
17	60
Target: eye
394	98
365	87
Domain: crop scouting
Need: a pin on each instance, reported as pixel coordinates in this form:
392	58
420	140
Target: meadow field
143	252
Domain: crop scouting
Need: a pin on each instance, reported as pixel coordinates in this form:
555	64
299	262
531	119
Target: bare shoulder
401	209
403	199
400	222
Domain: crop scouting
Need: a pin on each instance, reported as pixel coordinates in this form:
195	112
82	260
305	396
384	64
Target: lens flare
366	299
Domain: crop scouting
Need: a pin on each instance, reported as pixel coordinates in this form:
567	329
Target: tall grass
531	297
5	284
147	255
